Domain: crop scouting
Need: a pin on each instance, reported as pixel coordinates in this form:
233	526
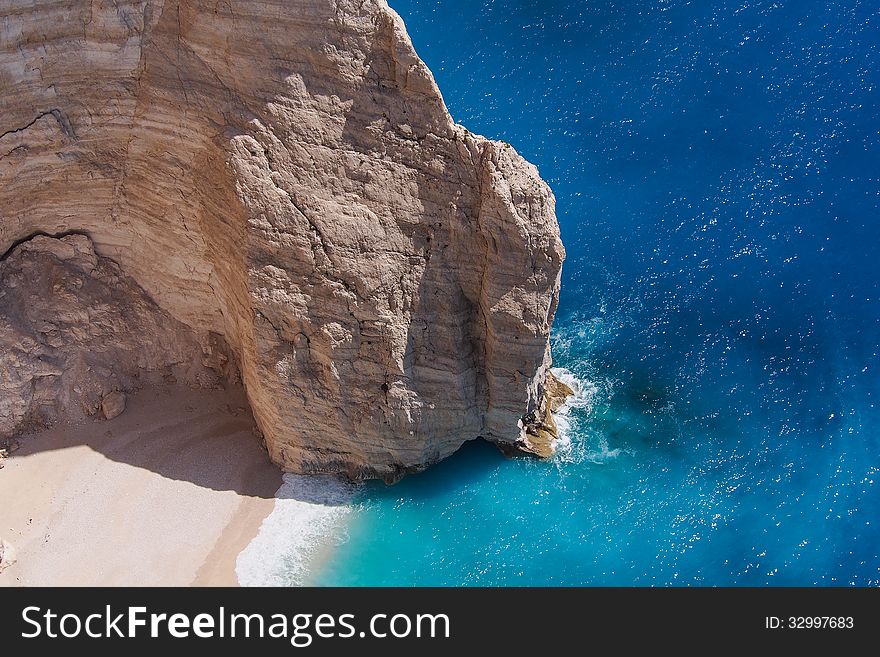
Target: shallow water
716	170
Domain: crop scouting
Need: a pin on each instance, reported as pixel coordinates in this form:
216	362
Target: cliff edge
277	184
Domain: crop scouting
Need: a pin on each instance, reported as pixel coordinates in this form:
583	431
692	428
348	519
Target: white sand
168	493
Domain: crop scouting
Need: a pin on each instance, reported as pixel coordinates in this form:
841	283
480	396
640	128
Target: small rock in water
113	404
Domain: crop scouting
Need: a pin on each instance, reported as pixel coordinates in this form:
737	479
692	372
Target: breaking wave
309	518
576	442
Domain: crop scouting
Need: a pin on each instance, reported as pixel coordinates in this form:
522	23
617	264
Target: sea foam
580	401
571	419
310	515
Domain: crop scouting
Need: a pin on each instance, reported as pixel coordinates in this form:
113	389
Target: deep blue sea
716	168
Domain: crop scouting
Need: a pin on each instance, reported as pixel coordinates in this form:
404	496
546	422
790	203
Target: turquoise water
716	169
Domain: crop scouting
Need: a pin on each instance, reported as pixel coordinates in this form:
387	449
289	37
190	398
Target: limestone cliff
75	331
284	174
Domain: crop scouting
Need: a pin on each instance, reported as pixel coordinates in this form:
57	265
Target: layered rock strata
285	175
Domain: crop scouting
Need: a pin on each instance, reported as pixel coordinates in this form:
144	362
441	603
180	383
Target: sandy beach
168	493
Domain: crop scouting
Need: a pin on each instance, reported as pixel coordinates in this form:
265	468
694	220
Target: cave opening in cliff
89	359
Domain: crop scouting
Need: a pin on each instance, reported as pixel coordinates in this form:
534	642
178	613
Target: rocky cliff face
284	174
75	332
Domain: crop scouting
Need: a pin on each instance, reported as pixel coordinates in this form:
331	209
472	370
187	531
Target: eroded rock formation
75	331
285	174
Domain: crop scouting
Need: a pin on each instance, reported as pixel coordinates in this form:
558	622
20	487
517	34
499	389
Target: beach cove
166	494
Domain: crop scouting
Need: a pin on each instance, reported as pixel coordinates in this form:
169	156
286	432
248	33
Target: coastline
167	494
176	491
308	521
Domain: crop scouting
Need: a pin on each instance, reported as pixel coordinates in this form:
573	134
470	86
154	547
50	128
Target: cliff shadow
201	436
475	461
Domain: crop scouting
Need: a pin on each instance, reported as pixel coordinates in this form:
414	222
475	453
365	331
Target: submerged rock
285	177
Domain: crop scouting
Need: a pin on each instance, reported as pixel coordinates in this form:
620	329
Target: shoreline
218	568
176	491
310	516
167	494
